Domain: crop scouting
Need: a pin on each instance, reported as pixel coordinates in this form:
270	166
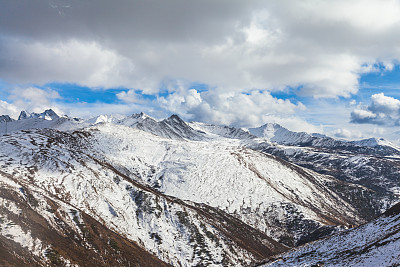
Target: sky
331	67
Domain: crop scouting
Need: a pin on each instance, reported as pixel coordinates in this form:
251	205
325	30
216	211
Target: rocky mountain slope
63	166
373	244
374	167
172	192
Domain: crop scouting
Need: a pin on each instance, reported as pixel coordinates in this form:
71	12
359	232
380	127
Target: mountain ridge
272	132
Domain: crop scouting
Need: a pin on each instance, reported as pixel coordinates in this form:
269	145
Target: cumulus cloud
347	133
342	133
89	110
131	96
384	104
71	61
318	46
33	99
8	109
383	110
239	109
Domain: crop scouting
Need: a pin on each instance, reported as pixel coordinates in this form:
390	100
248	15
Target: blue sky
317	66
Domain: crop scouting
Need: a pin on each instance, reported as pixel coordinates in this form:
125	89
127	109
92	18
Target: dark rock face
395	210
82	241
23	115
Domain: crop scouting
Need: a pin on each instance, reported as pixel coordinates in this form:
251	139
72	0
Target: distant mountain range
132	190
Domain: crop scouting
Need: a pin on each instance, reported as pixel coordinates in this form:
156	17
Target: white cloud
8	109
384	104
361	14
383	110
88	110
322	46
72	61
131	96
32	99
347	133
364	114
232	108
241	49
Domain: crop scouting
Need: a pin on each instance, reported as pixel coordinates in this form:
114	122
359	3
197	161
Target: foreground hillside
374	244
42	166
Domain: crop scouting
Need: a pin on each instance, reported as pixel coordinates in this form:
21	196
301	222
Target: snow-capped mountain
276	133
72	169
374	167
221	131
177	193
46	119
373	244
48	114
173	127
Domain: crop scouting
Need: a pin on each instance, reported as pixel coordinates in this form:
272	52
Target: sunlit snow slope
374	244
67	167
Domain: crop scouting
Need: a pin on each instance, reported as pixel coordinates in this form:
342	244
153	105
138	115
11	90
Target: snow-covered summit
109	118
134	119
373	142
173	127
276	133
48	114
46	119
221	130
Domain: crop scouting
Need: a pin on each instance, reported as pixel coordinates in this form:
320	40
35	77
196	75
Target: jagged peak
141	116
5	118
23	115
175	118
271	124
48	114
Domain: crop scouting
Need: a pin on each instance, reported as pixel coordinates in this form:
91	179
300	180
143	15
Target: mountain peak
175	118
5	118
173	127
48	114
268	131
141	116
372	142
23	115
